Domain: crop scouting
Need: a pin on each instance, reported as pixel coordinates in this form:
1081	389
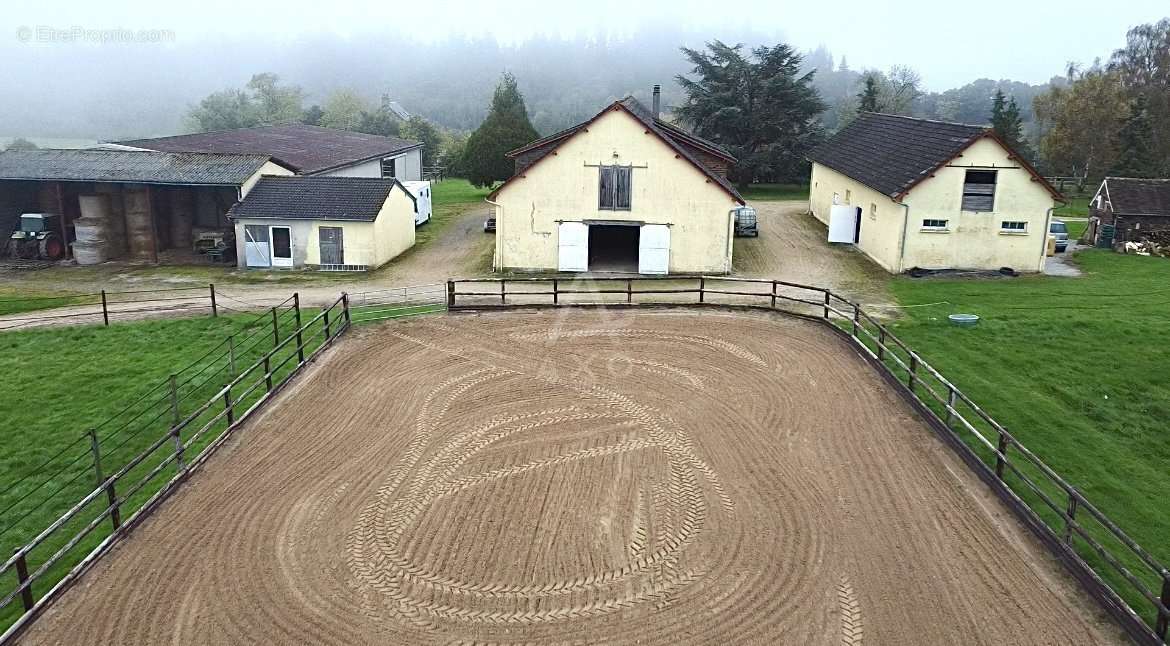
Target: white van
422	200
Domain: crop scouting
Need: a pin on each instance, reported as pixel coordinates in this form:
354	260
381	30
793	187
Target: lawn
15	301
1077	370
450	199
1077	207
767	192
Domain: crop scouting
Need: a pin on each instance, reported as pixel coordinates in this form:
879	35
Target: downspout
905	228
498	261
1044	237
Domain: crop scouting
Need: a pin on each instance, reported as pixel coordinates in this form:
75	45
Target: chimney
657	104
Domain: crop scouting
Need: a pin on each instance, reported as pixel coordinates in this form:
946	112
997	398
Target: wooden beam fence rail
947	404
252	387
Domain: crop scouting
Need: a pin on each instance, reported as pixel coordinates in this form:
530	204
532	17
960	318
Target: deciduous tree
343	110
419	129
506	128
1135	141
1081	135
759	107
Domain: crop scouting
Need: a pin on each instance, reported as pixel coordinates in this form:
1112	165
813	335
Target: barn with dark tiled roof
916	193
1130	209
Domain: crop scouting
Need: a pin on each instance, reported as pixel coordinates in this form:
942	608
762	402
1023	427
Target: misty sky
950	43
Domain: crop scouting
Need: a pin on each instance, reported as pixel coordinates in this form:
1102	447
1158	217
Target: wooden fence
1117	572
41	568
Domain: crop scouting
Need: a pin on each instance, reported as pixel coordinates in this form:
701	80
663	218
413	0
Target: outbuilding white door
256	246
573	247
281	246
653	249
843	221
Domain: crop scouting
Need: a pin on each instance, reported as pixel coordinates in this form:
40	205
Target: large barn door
654	249
844	224
256	246
332	245
573	247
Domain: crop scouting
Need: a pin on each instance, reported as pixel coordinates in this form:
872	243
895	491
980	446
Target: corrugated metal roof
304	149
316	198
131	166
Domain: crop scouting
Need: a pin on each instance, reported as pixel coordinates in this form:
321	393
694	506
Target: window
873	211
979	191
1008	226
614	194
934	225
390	167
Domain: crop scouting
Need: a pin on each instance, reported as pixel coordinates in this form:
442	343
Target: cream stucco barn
917	193
624	191
338	223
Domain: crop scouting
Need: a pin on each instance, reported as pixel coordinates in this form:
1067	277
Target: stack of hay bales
93	230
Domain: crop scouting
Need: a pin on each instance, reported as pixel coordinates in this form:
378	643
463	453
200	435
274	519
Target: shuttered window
979	191
614	192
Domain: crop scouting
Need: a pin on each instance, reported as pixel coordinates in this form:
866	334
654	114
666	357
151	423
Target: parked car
1059	230
489	224
746	224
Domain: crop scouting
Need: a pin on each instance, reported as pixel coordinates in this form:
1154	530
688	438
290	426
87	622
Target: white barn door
843	220
654	249
573	247
256	246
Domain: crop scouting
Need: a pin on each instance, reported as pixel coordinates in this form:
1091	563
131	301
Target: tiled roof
1131	196
675	137
892	153
304	149
316	198
140	167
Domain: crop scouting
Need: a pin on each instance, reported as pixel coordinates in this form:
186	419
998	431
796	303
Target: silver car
1059	230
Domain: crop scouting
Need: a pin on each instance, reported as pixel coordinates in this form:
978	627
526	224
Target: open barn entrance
613	247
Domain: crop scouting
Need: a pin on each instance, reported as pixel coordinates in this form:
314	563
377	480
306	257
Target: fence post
555	292
267	374
105	310
325	319
175	420
629	291
881	349
1070	516
826	304
702	288
856	319
502	297
227	405
214	307
773	294
300	341
275	329
1000	458
450	294
951	399
913	372
111	495
345	307
26	595
1163	622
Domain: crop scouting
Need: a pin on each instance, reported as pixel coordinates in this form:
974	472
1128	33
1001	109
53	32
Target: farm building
306	150
917	193
122	204
1130	210
623	191
338	223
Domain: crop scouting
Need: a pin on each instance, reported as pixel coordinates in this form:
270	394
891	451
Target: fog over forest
127	90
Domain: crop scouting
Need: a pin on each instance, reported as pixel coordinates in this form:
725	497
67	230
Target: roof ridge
1138	179
924	120
116	151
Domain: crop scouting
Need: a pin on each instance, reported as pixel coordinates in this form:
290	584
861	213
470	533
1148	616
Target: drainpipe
905	228
499	259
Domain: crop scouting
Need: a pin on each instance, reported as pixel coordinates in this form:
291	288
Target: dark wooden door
332	246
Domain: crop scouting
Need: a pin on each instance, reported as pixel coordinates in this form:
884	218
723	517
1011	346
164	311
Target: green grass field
15	301
1077	370
1077	207
450	198
767	192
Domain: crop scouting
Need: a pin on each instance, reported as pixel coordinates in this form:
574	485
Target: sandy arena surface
580	477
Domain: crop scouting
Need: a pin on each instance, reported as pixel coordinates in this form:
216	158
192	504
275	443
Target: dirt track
580	477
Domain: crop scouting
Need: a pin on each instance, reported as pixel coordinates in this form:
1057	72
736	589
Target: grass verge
766	192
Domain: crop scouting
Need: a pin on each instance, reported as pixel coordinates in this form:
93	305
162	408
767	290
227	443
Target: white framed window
931	224
1013	226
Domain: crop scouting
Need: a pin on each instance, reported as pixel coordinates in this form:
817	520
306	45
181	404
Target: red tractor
37	238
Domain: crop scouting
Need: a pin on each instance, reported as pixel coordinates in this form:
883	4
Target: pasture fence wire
1124	578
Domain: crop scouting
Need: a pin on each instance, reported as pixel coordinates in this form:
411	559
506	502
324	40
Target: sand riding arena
580	477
